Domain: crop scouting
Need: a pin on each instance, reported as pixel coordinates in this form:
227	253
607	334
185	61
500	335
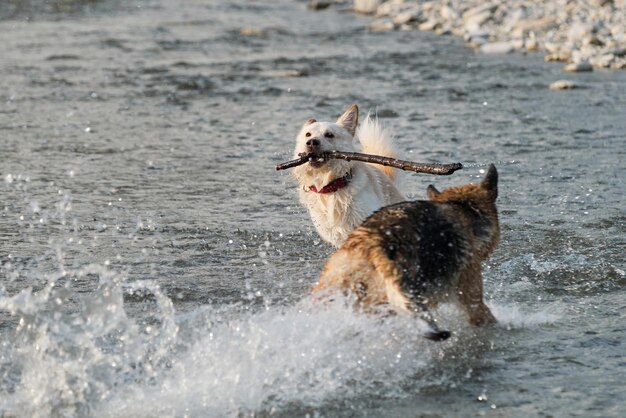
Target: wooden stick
440	169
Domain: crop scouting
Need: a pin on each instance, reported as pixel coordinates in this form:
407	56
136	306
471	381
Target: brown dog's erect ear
431	192
490	182
309	121
350	118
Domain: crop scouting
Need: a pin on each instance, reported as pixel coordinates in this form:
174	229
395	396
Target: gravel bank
581	33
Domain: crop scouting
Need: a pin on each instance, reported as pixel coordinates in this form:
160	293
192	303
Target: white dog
341	194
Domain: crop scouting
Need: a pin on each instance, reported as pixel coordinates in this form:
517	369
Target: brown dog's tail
388	269
437	335
434	334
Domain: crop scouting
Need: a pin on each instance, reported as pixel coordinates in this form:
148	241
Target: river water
153	263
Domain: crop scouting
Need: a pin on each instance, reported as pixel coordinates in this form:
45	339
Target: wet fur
371	187
415	255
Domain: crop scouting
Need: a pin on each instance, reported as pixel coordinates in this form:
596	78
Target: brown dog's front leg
470	294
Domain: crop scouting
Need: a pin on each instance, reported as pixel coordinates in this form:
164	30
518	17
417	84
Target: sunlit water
153	262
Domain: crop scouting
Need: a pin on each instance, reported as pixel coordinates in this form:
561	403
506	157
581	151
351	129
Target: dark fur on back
425	246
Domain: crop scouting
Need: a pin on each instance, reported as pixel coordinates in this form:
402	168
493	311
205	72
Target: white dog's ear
350	118
309	122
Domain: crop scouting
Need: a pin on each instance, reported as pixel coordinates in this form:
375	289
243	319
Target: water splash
516	317
121	350
70	350
243	361
240	362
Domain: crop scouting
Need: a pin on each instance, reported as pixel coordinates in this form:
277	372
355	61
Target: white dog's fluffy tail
377	140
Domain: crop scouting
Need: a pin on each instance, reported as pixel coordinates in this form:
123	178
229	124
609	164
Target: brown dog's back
414	255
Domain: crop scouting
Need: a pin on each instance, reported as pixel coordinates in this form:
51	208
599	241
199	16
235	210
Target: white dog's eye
329	135
308	134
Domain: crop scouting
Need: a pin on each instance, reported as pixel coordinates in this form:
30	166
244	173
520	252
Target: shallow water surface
153	262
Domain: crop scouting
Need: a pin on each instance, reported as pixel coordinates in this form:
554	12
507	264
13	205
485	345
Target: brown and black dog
415	255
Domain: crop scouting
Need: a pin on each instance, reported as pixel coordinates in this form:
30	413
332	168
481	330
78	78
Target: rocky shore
581	33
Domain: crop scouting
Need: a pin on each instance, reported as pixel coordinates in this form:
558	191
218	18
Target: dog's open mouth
317	161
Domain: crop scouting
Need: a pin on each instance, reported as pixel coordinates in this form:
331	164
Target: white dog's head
318	137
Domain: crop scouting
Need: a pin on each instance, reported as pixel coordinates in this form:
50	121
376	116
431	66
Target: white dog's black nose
312	143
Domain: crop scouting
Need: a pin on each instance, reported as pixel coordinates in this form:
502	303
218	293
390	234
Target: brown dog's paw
483	318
